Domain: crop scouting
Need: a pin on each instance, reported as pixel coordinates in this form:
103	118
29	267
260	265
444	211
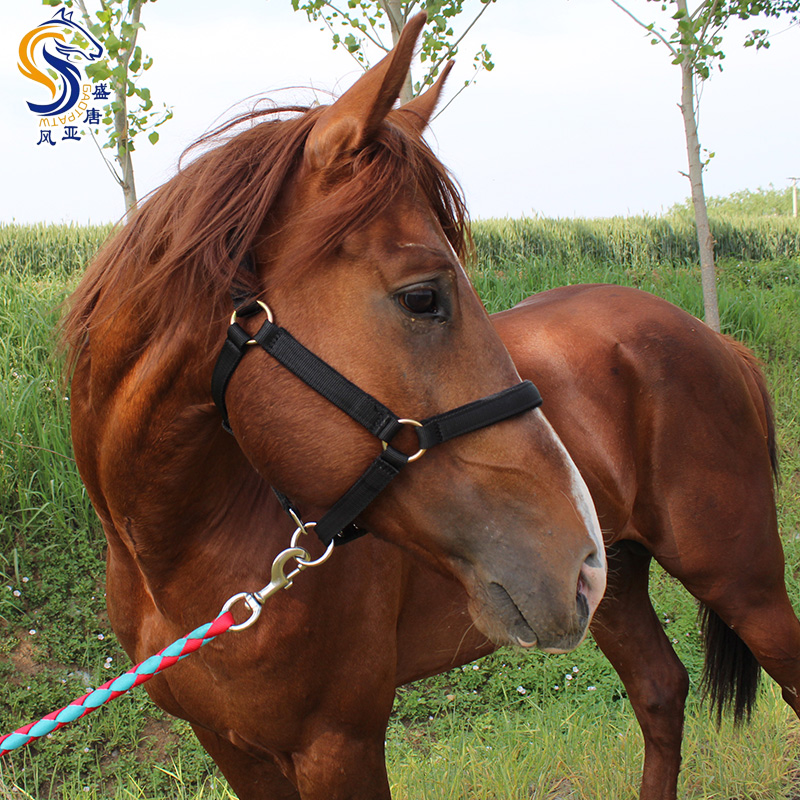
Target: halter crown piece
337	525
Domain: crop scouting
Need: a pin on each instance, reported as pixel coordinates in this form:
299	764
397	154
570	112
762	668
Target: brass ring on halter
267	310
303	528
421	452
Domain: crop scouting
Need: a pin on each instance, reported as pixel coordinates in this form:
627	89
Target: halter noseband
337	524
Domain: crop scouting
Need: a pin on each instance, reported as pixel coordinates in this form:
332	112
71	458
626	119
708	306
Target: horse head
363	267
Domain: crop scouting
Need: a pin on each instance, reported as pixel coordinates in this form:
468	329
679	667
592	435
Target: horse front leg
337	766
333	767
627	630
250	777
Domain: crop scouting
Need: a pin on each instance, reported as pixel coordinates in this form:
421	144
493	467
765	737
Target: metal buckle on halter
302	528
421	452
266	309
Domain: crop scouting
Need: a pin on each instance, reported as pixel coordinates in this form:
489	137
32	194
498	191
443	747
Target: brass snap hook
279	580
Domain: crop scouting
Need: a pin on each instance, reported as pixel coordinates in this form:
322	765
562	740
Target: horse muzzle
537	608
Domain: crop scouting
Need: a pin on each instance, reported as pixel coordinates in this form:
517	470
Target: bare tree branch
648	28
108	163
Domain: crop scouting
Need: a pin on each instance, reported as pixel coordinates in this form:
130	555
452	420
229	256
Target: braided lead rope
178	650
114	688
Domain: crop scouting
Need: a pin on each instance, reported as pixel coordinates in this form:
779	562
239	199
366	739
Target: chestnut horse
342	222
671	426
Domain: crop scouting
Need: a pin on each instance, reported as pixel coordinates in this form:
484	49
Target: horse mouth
512	618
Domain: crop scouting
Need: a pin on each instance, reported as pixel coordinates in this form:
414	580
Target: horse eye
420	301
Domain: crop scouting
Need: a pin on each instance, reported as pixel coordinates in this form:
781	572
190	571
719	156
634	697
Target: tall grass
583	752
770	202
513	725
50	250
633	242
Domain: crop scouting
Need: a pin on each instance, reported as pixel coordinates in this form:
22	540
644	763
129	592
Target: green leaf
128	30
153	137
80	41
98	71
112	44
351	43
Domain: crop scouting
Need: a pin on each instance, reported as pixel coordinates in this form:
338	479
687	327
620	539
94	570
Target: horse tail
731	672
751	366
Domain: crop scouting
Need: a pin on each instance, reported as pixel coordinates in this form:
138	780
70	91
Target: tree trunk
394	11
124	147
705	240
127	183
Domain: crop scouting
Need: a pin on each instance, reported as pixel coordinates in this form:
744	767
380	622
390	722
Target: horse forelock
184	247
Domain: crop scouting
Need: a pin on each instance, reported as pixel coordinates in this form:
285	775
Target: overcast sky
578	118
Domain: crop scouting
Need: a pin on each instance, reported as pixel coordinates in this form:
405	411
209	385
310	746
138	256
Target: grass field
511	726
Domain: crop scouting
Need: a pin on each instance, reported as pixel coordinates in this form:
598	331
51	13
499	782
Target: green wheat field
513	726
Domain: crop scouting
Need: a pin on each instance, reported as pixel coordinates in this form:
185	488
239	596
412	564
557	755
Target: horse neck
176	495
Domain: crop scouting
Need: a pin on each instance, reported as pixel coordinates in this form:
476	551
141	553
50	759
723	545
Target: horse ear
418	112
352	121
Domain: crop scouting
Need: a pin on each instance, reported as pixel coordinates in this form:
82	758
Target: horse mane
186	242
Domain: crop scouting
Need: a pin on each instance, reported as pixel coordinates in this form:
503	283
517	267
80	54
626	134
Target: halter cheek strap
337	524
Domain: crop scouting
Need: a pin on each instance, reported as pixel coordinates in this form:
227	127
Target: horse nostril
593	560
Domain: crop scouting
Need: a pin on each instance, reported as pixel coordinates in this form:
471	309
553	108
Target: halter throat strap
337	524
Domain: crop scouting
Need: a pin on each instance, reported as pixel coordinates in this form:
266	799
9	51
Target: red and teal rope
114	688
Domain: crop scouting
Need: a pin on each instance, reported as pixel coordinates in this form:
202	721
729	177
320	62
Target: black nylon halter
337	524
